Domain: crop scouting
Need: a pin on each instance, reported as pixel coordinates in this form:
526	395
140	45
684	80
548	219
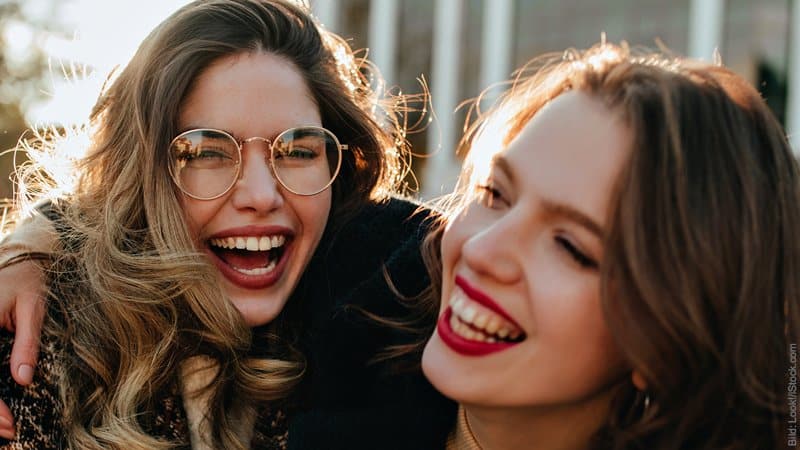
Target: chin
259	310
254	318
440	370
457	381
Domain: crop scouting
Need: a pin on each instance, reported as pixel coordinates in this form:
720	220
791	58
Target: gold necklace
469	430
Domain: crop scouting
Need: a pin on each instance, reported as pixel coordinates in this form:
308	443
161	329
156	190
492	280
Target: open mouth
475	322
250	255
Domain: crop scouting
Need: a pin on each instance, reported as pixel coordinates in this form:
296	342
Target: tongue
244	259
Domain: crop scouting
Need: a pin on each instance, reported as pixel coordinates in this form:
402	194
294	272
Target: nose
496	250
257	189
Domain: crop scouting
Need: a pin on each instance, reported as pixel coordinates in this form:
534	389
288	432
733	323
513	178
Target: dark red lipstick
483	299
470	347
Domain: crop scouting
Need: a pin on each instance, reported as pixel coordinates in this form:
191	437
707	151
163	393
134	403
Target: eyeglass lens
205	163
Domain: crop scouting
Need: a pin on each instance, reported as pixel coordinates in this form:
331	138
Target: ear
638	381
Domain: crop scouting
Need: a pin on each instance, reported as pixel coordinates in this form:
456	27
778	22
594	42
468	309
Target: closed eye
488	195
296	153
577	255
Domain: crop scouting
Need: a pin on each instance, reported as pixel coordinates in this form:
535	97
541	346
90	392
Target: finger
29	318
6	422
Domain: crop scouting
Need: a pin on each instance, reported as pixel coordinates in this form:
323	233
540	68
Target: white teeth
493	325
457	304
468	315
476	323
250	243
257	270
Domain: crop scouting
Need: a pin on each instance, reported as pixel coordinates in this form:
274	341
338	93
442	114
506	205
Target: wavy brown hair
700	284
132	298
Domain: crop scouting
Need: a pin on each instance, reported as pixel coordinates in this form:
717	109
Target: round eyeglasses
205	163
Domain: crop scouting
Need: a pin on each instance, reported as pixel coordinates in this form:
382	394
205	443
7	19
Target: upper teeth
252	243
481	318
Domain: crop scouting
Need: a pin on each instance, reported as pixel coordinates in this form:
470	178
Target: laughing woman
234	157
621	271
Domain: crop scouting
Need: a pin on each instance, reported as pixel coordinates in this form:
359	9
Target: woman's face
521	323
247	95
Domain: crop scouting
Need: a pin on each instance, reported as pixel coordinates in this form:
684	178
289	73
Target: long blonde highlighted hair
131	296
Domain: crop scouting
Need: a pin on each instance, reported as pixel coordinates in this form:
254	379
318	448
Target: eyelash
577	255
488	194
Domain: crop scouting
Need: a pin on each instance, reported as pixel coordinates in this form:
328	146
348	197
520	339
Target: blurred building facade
461	47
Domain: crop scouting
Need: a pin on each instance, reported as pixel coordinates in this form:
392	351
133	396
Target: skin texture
531	240
256	94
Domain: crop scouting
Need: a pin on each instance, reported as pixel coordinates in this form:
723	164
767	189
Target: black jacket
350	403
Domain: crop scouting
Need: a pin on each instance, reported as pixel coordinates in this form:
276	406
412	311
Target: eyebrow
551	208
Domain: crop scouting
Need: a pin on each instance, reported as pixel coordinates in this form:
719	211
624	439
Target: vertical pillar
327	12
705	27
497	46
442	169
793	85
382	38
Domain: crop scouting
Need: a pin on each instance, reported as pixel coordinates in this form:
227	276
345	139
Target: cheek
451	243
567	314
459	228
453	239
313	214
198	213
572	322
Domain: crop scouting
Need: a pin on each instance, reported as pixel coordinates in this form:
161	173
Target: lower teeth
257	270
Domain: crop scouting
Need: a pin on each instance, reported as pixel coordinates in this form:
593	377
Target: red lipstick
468	347
484	300
464	346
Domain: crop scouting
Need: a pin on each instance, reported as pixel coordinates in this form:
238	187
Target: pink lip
464	346
483	299
253	281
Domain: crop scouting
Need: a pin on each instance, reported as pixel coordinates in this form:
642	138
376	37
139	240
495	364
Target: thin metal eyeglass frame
271	144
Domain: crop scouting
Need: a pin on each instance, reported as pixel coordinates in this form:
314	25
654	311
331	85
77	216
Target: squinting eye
577	255
488	195
212	153
296	153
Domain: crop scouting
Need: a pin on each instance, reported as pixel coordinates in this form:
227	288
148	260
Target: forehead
571	152
250	94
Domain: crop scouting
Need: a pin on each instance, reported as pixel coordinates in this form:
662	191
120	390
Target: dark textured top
38	409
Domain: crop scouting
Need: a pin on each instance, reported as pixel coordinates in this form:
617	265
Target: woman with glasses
621	271
231	223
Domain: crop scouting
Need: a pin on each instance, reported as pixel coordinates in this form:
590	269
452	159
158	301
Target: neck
552	427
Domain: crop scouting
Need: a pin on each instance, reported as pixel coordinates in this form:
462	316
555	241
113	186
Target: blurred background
55	53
